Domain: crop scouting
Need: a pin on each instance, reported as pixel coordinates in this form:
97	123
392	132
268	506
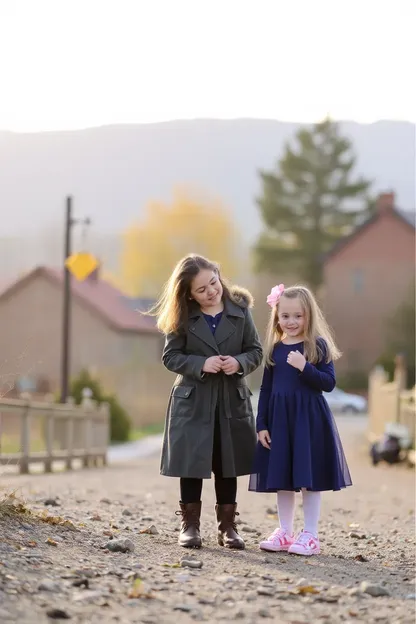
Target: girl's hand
230	365
264	438
212	365
296	359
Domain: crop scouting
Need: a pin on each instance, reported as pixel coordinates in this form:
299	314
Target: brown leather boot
190	537
227	528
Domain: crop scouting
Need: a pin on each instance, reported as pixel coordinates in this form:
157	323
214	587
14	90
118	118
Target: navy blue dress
306	450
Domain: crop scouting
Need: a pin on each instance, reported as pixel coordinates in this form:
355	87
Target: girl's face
206	289
291	317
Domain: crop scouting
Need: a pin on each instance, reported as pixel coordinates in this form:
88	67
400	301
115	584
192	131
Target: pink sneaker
278	541
305	544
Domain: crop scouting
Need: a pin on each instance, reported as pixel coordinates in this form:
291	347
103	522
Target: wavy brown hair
315	327
172	308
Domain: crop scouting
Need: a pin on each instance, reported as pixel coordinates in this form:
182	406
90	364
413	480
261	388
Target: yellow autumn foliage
192	223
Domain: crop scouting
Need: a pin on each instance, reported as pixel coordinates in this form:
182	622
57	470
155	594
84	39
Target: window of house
358	280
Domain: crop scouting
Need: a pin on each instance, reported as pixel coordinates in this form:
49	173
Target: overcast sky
69	64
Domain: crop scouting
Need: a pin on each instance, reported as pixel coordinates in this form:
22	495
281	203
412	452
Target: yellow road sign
81	265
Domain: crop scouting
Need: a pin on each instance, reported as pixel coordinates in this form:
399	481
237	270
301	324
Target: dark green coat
195	396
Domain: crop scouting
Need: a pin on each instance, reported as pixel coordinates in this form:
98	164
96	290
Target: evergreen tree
311	202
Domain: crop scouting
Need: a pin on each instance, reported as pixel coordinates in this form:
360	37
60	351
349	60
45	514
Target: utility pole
66	316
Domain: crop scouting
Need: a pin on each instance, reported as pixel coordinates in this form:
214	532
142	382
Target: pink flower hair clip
275	294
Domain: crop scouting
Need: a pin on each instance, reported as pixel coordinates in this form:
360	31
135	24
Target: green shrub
84	380
353	381
120	424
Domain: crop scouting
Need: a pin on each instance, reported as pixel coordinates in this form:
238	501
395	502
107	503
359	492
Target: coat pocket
182	404
244	392
244	408
183	392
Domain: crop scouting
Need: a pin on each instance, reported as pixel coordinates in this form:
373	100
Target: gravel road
66	567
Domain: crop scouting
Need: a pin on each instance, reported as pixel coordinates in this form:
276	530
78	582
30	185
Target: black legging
225	488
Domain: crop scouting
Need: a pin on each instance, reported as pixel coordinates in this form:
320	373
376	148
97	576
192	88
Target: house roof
139	303
407	217
410	217
96	294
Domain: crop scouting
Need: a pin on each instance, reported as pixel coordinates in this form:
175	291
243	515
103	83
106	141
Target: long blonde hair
172	308
315	327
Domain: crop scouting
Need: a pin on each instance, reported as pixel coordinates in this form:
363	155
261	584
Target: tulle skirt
306	450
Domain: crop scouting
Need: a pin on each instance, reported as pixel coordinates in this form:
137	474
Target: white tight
311	510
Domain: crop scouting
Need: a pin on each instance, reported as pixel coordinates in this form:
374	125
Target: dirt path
76	574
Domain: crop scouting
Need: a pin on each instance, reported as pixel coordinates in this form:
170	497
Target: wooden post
69	441
69	431
25	440
105	428
87	428
49	441
400	375
376	379
87	441
94	442
66	311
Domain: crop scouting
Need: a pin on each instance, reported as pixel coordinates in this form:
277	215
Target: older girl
212	345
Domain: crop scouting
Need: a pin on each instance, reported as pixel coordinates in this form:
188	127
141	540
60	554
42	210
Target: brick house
108	336
367	276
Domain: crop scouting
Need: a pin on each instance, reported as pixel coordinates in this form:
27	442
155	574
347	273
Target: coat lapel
224	330
226	326
200	328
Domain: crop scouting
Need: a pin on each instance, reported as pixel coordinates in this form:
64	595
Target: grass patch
143	432
12	505
10	444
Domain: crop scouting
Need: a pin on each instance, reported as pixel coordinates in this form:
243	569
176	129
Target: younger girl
299	448
211	344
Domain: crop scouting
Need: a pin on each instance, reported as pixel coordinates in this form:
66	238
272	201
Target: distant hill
113	171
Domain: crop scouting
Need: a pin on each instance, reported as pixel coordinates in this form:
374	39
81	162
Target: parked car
340	401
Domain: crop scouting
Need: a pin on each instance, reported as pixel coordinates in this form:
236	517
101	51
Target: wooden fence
50	432
390	402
